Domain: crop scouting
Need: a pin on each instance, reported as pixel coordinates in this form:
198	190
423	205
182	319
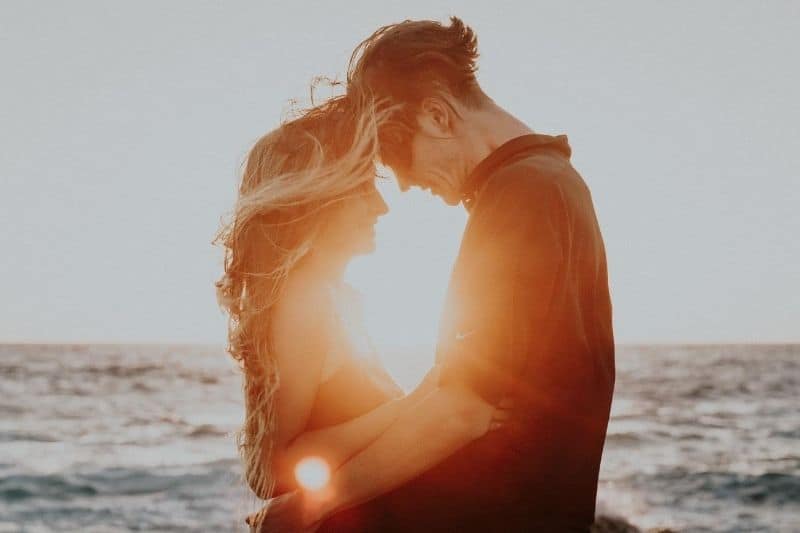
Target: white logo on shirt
462	336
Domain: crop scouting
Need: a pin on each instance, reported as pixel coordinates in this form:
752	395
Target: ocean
103	438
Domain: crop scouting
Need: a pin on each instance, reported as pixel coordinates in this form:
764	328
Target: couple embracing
506	432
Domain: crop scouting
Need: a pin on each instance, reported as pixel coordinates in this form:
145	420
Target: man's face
434	166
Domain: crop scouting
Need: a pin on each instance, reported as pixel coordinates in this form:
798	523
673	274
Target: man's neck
488	129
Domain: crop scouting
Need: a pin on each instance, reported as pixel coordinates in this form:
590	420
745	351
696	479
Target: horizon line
222	344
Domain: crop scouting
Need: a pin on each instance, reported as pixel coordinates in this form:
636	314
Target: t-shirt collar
503	153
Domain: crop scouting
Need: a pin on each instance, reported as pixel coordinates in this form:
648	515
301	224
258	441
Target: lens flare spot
312	473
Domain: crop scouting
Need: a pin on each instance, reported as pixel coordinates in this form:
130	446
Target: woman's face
350	227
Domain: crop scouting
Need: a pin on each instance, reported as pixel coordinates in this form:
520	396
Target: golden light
403	282
312	473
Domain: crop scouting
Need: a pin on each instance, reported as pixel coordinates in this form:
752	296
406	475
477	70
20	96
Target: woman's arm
336	444
437	426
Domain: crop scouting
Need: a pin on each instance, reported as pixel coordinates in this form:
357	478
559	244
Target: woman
307	204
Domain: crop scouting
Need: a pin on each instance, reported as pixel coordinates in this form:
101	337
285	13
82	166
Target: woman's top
353	381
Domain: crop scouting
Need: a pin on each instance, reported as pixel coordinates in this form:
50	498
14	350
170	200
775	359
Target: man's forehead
407	179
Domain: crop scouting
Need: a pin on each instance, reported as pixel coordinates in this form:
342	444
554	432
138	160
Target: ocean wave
199	376
12	371
6	409
775	488
141	386
56	487
790	434
624	439
124	371
114	482
206	430
13	436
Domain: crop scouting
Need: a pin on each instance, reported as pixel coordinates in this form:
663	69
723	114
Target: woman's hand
291	512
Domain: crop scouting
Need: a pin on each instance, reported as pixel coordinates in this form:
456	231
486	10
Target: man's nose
380	206
403	184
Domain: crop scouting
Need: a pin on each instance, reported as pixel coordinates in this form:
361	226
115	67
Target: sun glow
403	283
312	473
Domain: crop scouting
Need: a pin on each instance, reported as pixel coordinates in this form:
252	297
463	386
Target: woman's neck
325	266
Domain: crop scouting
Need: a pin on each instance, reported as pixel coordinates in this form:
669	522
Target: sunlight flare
403	282
312	473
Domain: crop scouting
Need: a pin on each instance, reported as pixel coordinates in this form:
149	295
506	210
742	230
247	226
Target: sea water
141	438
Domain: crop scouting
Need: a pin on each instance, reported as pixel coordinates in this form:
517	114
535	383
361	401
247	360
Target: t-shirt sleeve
512	272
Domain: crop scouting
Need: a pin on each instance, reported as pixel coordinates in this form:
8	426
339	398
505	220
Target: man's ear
436	117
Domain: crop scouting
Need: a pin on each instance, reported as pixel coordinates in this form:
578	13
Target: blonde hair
290	177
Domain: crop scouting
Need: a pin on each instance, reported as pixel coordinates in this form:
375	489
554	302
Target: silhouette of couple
506	432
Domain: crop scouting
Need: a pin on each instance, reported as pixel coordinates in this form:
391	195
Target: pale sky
123	127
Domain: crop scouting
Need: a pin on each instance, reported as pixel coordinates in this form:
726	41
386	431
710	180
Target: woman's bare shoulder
301	317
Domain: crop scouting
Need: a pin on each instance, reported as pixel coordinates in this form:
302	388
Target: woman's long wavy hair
292	175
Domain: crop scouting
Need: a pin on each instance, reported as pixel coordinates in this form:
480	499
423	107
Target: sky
123	127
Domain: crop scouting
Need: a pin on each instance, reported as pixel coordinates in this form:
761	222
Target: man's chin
450	201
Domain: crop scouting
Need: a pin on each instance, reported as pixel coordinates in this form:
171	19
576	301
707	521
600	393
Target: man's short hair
401	64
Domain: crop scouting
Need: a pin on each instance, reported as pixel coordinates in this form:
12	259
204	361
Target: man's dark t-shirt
528	318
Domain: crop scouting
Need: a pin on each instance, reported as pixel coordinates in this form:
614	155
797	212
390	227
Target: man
528	317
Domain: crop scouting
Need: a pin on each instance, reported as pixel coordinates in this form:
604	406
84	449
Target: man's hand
428	384
501	414
287	513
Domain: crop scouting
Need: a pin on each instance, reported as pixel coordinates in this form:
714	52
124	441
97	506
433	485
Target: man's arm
500	304
437	426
